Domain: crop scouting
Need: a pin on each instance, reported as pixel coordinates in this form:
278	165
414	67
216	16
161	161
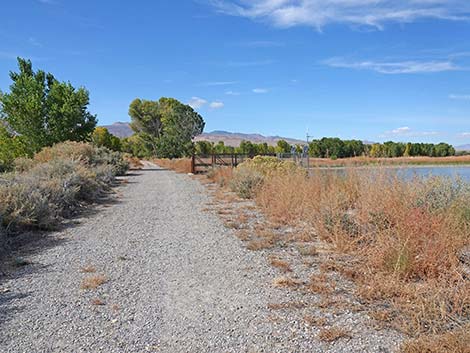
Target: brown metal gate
201	163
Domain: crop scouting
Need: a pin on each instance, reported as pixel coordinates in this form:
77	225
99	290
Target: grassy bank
410	241
399	161
54	185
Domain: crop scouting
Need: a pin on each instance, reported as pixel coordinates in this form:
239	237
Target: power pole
308	153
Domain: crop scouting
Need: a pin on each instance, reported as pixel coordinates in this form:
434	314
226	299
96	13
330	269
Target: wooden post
193	164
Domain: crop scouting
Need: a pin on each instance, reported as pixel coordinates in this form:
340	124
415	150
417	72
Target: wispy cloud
464	134
218	83
406	131
394	67
463	97
318	13
216	105
196	102
260	90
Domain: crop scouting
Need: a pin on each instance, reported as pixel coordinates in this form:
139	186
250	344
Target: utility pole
308	153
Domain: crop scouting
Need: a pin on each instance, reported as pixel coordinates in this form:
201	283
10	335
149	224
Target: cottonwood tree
44	110
167	124
101	137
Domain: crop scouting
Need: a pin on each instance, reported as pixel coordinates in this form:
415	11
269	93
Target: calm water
409	172
446	171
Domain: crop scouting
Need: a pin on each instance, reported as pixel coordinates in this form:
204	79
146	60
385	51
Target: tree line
337	148
40	111
328	147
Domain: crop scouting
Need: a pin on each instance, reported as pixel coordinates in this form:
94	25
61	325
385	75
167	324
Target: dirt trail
177	281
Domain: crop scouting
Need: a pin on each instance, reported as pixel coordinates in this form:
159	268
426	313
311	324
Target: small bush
55	184
246	182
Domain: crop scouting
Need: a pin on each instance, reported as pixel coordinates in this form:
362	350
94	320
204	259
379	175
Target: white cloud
196	102
232	93
318	13
408	132
260	90
465	134
216	105
396	67
463	97
401	130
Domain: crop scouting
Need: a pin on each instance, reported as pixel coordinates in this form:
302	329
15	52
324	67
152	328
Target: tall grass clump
179	165
55	185
250	175
412	238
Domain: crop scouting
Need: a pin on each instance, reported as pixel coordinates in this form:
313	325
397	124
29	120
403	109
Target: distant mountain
120	129
462	148
234	138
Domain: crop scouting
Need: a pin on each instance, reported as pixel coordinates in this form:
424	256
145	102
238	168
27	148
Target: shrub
46	193
249	176
66	150
408	236
104	156
221	175
269	165
245	182
55	184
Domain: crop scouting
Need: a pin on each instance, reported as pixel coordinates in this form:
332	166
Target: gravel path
177	281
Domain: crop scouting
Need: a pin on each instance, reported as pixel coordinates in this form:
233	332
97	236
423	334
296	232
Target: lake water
462	172
409	172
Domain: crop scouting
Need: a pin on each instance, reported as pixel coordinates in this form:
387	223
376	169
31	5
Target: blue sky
367	69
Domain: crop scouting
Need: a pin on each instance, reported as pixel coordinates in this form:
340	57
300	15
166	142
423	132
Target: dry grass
364	161
407	238
333	334
97	302
181	165
321	284
280	264
221	175
93	282
307	250
400	241
134	162
315	321
286	282
260	244
457	341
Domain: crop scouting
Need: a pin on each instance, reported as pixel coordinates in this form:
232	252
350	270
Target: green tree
204	147
283	146
45	111
167	125
11	147
101	137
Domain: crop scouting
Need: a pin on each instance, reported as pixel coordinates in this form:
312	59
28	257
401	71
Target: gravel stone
177	281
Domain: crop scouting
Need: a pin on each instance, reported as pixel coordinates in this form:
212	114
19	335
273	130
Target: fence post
193	164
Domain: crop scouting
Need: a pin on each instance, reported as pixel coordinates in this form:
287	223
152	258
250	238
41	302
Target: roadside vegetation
53	162
408	242
56	184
